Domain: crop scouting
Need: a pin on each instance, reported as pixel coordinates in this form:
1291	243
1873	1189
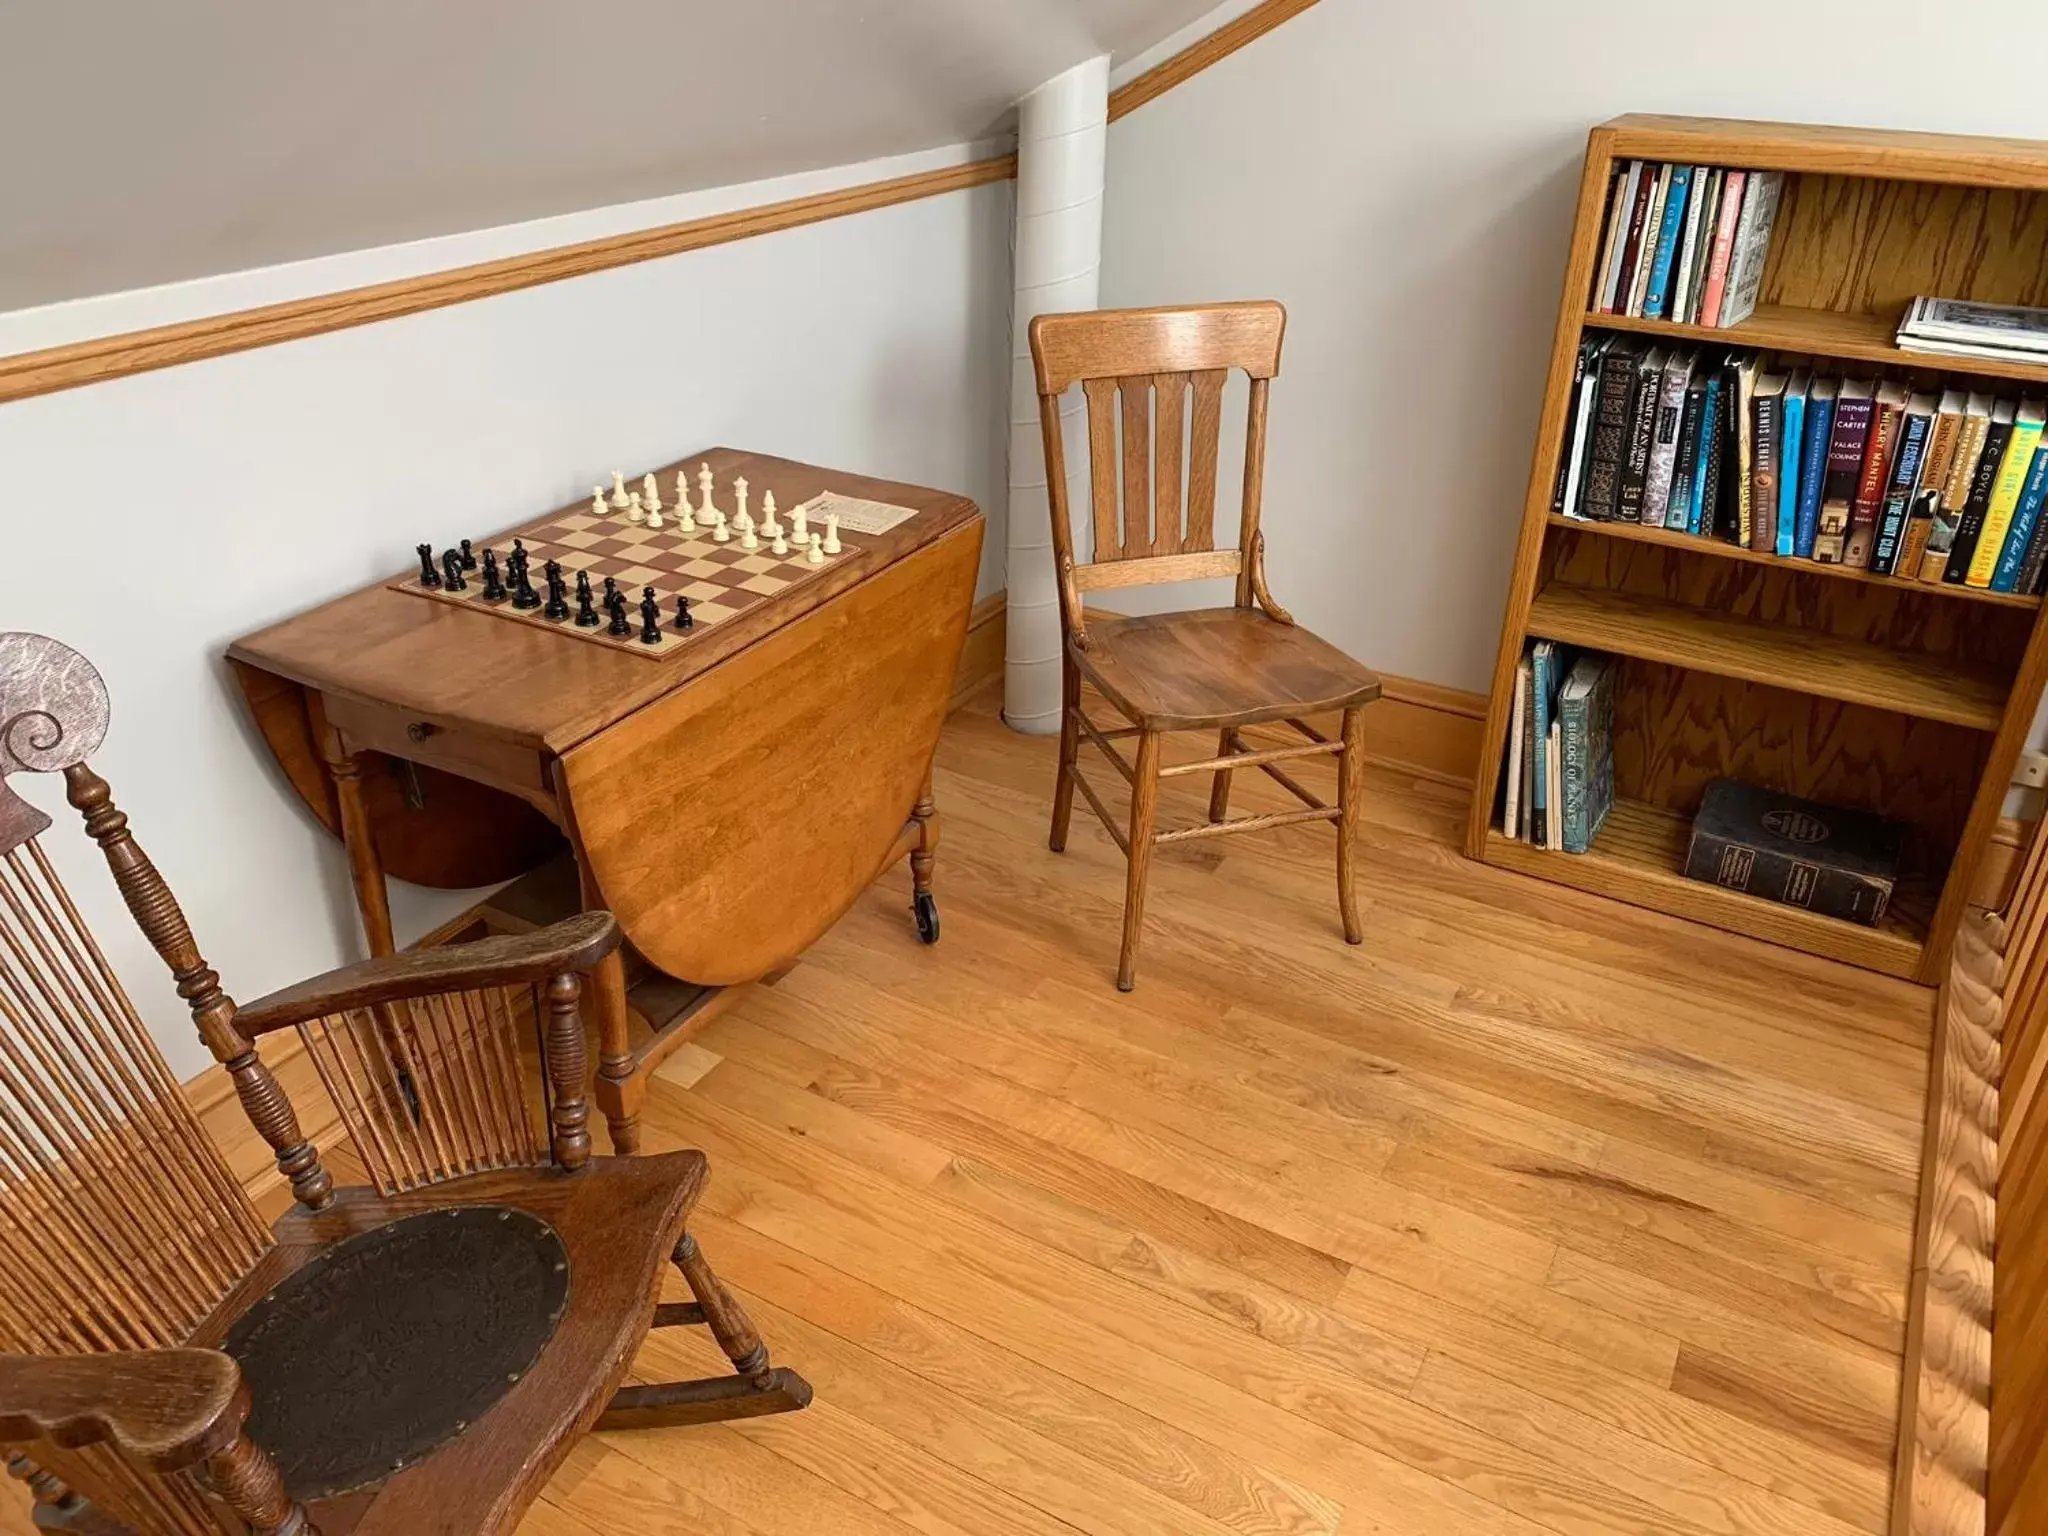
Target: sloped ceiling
142	142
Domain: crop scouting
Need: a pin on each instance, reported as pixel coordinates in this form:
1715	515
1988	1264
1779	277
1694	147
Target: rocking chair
407	1359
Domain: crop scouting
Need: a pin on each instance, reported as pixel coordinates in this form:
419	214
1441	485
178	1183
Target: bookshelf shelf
1825	333
1639	857
1721	549
1912	700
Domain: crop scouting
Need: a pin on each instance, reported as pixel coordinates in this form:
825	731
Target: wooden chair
1158	375
412	1358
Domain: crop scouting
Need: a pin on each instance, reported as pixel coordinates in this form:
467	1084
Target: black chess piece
586	609
523	595
557	607
515	563
650	618
611	590
468	556
616	602
494	586
451	571
683	619
429	577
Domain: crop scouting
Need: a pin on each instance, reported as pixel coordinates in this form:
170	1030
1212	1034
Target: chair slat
1101	395
1205	434
1169	412
1136	390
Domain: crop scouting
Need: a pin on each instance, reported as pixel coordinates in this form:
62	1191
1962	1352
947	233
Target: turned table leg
365	869
926	906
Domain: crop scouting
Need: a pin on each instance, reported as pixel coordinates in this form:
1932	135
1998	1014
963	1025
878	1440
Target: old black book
1613	405
1825	858
1642	437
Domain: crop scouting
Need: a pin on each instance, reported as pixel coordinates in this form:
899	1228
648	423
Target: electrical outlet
2032	771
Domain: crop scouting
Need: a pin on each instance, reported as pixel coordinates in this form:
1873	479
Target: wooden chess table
727	798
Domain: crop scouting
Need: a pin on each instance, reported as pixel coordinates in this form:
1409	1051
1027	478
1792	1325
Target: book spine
1610	434
1685	462
1635	473
1736	514
1706	491
1845	468
1792	882
1573	425
1983	485
1632	247
2026	518
1539	728
2005	497
1752	246
1870	486
1664	445
1763	471
1618	201
1791	433
1528	673
1689	244
1723	247
1813	465
1658	294
1571	714
1891	525
1600	754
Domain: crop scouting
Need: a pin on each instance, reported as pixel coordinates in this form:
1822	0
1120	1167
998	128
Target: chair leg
248	1482
1350	789
1219	789
1070	751
1144	806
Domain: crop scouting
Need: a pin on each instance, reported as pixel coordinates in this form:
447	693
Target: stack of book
1941	487
1685	242
1958	328
1559	782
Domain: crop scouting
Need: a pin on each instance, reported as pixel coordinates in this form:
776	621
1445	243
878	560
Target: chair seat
1213	667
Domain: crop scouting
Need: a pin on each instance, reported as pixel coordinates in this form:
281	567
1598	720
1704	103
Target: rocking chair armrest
575	944
167	1408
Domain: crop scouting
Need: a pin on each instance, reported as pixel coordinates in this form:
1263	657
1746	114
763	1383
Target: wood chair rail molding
50	369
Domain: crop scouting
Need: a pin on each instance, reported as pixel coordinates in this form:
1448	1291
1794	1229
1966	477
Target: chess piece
832	533
816	555
719	532
686	520
650	618
523	595
654	518
634	514
683	619
618	490
597	506
799	527
770	529
619	628
780	546
515	563
557	606
494	588
747	539
650	493
611	592
451	571
705	506
586	609
468	556
740	519
429	577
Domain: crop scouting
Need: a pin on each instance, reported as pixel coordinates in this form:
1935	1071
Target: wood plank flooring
1534	1214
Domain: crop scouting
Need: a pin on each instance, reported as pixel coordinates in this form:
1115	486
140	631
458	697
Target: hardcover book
1664	437
1925	510
1826	858
1585	708
1657	296
1813	463
1766	410
1736	511
1706	490
1585	379
1642	434
1886	413
1620	198
2026	523
1791	440
1646	248
1613	409
1983	486
1722	248
1686	466
1752	245
1518	727
1903	481
2013	465
1682	284
1851	435
1955	490
1703	253
1543	665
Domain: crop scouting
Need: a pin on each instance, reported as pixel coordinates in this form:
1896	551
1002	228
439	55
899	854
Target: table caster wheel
927	909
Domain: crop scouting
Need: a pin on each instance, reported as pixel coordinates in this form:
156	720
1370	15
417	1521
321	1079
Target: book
1703	257
1955	490
1585	709
2006	328
2026	520
1632	244
1543	660
1585	378
1682	284
1671	388
1646	245
2032	563
1553	832
1826	858
1813	463
1850	436
1886	412
2013	466
1642	433
1983	486
1766	425
1518	725
1685	462
1613	404
1924	511
1736	512
1902	482
1706	489
1657	296
1791	440
1621	202
1528	681
1722	249
1752	245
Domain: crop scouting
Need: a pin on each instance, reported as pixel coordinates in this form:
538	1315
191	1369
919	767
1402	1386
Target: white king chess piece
740	519
650	493
832	533
706	508
685	519
618	490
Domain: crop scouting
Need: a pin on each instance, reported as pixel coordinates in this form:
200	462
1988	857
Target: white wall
1403	178
152	519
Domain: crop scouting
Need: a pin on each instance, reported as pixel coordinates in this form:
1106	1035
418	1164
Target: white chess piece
619	490
597	506
685	519
705	506
799	526
650	494
719	531
816	556
634	514
832	533
781	545
654	512
770	529
740	519
747	538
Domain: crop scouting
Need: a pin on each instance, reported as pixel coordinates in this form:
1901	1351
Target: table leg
365	870
926	814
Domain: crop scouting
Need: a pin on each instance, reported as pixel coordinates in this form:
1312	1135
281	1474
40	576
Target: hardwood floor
1536	1213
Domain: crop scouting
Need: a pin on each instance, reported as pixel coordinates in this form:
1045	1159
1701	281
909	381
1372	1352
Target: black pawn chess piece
586	608
468	556
523	595
650	618
619	625
451	571
683	619
494	586
429	577
557	607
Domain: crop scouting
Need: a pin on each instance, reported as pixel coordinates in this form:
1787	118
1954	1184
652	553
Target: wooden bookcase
1909	699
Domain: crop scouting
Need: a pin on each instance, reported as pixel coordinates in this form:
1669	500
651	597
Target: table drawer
422	739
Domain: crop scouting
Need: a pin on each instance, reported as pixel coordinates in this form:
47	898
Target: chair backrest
1152	381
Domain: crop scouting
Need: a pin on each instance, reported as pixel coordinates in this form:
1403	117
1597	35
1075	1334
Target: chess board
721	581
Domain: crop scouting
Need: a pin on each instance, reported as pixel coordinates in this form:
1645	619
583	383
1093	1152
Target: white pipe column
1062	135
